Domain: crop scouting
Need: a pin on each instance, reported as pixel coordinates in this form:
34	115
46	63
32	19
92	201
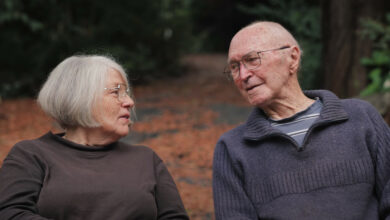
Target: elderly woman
86	173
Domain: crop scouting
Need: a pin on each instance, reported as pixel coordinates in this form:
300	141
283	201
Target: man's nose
244	73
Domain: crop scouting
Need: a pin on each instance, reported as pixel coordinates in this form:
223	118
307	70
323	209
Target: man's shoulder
355	101
348	104
356	104
234	133
361	111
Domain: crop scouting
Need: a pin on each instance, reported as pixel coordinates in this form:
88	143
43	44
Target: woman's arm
21	179
169	204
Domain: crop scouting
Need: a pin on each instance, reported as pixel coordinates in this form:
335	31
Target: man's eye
234	66
251	59
115	91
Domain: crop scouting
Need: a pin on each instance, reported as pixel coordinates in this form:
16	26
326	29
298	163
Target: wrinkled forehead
241	46
253	39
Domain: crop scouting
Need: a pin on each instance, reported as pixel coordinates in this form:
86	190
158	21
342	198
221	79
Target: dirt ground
180	118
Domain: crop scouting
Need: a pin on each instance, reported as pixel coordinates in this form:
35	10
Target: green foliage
302	18
146	36
379	62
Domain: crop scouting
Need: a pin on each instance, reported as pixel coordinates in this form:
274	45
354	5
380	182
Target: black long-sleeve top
52	178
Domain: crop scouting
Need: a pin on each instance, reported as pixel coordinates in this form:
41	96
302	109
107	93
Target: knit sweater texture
53	178
342	170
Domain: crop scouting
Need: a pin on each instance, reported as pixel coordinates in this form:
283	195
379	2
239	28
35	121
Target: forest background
174	52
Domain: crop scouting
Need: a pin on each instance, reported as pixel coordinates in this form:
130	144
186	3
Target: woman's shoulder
141	149
29	144
142	152
30	150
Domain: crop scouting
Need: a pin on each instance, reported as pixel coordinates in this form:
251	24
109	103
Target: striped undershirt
297	125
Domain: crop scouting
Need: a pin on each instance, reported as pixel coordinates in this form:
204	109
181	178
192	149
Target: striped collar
258	126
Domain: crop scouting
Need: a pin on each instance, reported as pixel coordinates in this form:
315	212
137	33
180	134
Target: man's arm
230	200
382	159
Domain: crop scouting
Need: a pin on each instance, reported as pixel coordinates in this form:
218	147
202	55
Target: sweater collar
59	138
257	126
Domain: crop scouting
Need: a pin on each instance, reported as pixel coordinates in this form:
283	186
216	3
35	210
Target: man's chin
257	101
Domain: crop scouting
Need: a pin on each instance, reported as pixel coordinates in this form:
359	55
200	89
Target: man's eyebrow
233	60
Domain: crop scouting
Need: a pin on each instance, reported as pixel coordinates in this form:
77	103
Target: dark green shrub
146	36
379	62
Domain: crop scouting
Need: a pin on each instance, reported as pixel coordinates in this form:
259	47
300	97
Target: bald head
262	35
264	59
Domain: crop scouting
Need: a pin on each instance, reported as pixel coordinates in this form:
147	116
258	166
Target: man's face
263	85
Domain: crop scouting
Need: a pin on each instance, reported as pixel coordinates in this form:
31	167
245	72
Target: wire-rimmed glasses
250	61
120	92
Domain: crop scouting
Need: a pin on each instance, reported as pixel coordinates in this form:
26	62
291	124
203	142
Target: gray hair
73	88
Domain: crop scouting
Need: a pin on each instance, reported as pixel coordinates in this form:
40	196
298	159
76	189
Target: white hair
73	88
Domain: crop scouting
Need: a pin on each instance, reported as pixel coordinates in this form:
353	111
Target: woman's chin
123	132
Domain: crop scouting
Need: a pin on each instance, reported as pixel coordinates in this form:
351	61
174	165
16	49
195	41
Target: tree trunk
343	45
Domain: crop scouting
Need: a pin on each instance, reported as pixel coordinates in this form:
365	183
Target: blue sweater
341	172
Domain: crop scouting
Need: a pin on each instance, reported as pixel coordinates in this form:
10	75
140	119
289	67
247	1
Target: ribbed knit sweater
341	172
53	178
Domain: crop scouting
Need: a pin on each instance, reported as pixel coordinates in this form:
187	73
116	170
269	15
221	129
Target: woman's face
112	111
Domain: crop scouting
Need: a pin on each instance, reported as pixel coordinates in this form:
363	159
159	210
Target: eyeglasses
120	92
250	60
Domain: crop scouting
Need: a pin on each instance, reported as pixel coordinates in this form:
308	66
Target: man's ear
295	58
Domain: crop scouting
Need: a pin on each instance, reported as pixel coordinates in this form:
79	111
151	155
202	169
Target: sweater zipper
310	131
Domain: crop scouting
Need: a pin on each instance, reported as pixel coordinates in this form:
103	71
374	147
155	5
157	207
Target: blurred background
343	41
174	52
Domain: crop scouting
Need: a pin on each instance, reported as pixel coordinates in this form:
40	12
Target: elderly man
301	154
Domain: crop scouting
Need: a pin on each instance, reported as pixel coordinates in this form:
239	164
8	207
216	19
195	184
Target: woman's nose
128	102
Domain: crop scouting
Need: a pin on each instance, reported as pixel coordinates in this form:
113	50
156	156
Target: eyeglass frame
230	74
120	96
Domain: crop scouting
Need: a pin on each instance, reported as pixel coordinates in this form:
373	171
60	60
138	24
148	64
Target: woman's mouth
125	117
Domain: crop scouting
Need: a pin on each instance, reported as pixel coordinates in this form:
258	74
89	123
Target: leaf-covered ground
180	118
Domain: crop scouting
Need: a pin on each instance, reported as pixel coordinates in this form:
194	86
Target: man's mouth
249	88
